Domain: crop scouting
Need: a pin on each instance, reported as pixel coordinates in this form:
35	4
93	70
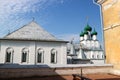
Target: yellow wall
111	23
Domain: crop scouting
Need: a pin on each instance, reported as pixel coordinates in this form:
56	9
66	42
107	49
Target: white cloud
11	7
69	37
21	6
12	12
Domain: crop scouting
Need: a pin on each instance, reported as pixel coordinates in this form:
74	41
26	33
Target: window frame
25	51
53	51
10	51
40	51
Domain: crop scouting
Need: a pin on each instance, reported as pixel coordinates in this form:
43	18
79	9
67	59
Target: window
53	56
25	52
98	57
93	56
24	57
40	56
9	55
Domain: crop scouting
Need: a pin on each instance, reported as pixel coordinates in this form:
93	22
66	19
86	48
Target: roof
87	28
82	33
31	31
94	32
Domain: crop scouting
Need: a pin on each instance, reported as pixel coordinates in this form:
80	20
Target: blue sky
63	18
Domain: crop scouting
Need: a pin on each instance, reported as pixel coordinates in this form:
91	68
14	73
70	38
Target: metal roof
31	31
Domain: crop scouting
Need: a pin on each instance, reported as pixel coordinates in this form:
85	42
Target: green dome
85	32
87	28
81	34
94	32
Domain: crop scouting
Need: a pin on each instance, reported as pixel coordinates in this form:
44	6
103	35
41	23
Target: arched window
53	56
93	56
102	56
9	55
98	57
40	56
25	52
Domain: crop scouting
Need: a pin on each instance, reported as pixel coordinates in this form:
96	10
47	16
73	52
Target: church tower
87	32
94	35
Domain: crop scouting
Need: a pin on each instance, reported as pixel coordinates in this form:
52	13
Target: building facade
110	10
32	45
88	50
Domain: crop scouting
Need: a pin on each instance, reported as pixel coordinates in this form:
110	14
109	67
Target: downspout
102	24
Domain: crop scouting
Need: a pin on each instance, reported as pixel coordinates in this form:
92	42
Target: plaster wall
111	27
33	46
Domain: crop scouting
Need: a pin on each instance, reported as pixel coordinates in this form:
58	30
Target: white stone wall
33	47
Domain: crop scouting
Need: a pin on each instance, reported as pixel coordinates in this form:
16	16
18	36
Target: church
32	45
88	50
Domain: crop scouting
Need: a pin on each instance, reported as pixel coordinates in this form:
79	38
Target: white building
32	45
88	51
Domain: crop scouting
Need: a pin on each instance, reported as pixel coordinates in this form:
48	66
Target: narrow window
25	52
53	56
97	56
24	57
93	56
9	55
40	56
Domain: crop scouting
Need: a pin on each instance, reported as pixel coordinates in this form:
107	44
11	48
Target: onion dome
85	32
94	32
87	28
81	34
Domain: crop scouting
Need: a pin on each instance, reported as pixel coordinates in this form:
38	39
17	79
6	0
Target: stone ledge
50	71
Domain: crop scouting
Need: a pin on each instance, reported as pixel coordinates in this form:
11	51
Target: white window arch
53	56
25	52
40	55
9	55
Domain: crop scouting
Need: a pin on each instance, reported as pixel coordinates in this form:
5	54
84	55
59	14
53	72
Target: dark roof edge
61	41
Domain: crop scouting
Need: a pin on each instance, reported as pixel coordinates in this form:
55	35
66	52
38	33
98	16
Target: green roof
94	32
81	34
87	28
85	32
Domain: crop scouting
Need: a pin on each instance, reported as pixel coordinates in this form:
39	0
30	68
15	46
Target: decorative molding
111	27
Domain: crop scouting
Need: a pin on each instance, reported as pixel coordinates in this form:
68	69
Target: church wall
33	47
64	51
48	46
17	47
